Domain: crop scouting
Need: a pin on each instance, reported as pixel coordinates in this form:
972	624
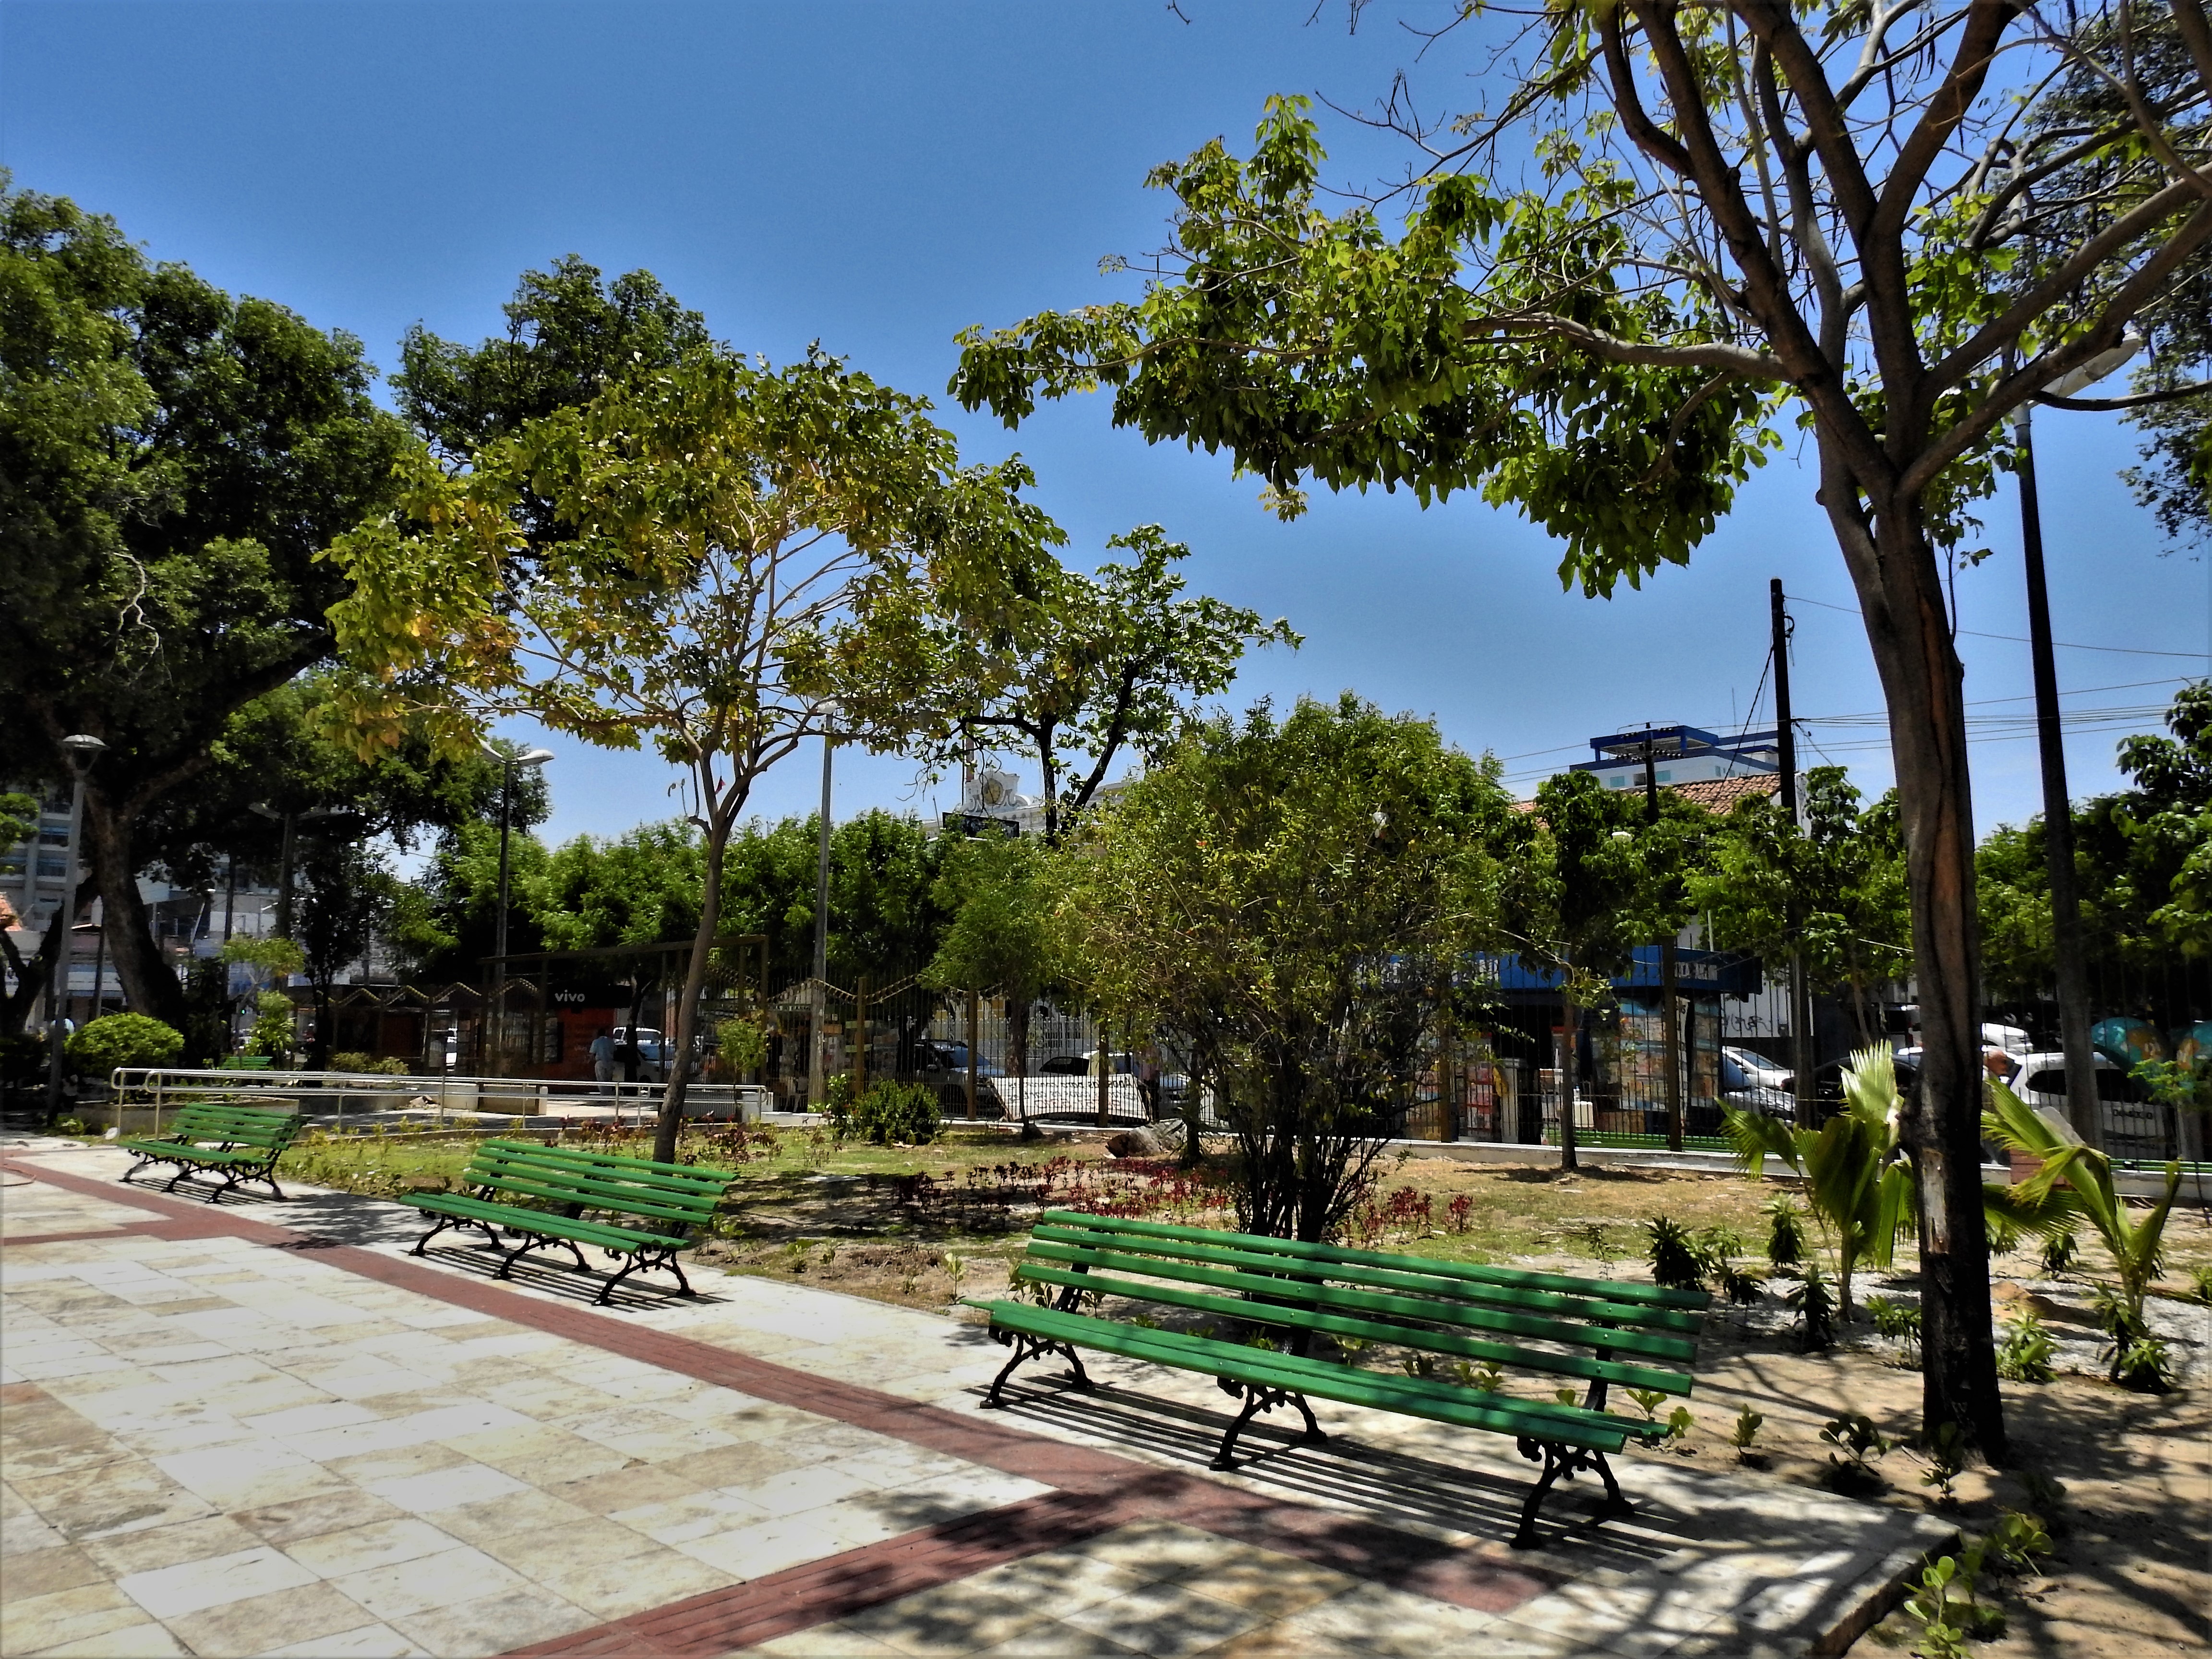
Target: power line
2017	639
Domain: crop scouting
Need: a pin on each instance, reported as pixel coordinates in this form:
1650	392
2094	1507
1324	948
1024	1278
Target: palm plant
2076	1181
1858	1179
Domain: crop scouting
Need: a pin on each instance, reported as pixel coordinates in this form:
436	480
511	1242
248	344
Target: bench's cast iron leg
607	1290
1030	1347
1314	1434
1256	1400
1564	1463
424	1243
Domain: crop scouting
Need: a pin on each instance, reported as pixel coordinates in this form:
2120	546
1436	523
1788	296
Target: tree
1736	215
1285	892
1844	872
1095	665
735	546
998	894
569	336
1579	896
347	902
172	461
2141	860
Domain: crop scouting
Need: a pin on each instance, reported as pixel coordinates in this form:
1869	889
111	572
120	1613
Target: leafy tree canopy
172	462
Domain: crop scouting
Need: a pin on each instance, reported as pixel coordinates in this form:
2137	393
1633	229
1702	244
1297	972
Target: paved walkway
261	1428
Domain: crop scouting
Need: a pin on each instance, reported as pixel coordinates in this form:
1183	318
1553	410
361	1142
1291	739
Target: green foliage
1648	1400
2025	1352
172	461
114	1040
275	1026
268	955
1785	1237
1087	668
1857	1177
366	1065
1816	1310
2138	1357
888	1113
1683	1261
1292	896
19	817
1833	891
2059	1254
2200	1284
1746	1433
1946	1458
2144	873
1900	1321
1855	1445
2075	1182
743	1045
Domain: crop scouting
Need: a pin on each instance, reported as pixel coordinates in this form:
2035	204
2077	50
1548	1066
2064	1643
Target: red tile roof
1717	795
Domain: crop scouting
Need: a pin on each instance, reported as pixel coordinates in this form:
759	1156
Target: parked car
1743	1089
656	1053
944	1066
1759	1071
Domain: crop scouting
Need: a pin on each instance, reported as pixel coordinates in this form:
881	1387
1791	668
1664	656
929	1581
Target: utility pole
2082	1110
820	1090
1670	1049
1800	1013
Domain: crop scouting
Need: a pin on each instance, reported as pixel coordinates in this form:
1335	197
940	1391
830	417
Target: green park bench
544	1196
1594	1330
244	1142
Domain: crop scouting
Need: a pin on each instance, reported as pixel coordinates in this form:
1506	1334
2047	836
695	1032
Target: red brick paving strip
1098	1490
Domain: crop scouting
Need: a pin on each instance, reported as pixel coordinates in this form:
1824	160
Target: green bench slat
1612	1290
1442	1403
591	1197
164	1149
620	1183
1651	1344
699	1175
1465	1348
525	1219
1425	1283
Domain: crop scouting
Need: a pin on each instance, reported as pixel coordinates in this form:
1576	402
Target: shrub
2025	1352
275	1026
897	1112
1675	1262
2058	1253
743	1045
365	1065
1898	1321
1747	1422
1816	1302
1785	1237
114	1040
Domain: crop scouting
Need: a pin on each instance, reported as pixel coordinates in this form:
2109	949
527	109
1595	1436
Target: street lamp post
2082	1110
507	762
80	750
820	1089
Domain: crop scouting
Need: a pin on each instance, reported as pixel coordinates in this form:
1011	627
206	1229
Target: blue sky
877	176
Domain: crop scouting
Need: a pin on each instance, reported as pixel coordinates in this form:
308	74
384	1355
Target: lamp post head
2098	368
530	758
81	748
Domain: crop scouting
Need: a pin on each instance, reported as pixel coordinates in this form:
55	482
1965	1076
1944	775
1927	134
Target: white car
1760	1072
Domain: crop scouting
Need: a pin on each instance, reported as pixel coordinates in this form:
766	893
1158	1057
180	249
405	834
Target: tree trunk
35	972
694	981
1569	1059
1902	601
147	981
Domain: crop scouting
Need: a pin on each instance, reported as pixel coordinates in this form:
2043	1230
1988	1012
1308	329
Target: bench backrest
679	1195
239	1126
1639	1335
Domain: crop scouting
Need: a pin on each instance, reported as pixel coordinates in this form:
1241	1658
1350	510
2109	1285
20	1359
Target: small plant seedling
2200	1283
1676	1263
2023	1354
2060	1251
1785	1236
1487	1377
1856	1445
1418	1364
1565	1396
2019	1540
1816	1302
1680	1422
1947	1459
1649	1400
1747	1422
1353	1347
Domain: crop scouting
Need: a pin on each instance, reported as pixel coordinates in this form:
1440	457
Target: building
1680	755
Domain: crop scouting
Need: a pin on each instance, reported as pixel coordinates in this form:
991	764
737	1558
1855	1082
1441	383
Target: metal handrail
164	1088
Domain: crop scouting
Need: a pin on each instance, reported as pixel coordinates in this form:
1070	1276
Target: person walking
603	1056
